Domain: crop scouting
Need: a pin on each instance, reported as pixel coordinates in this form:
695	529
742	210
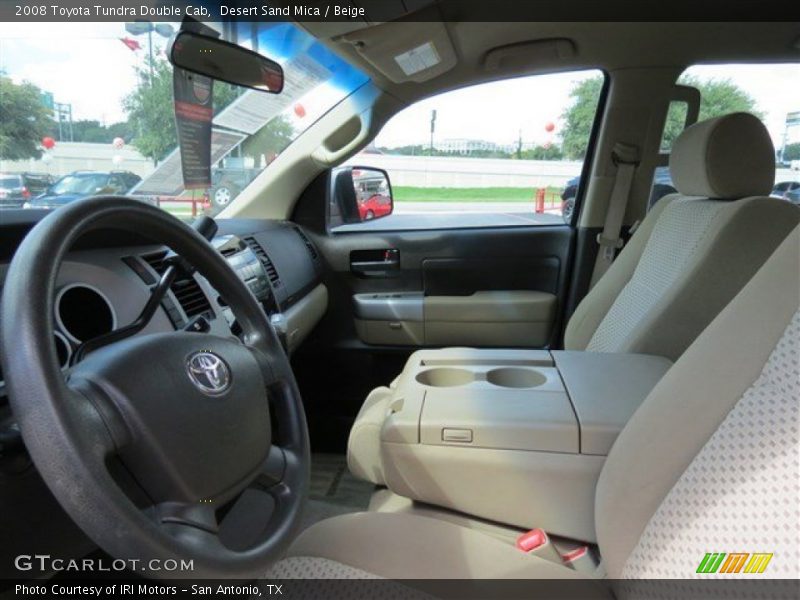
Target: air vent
272	272
311	250
187	291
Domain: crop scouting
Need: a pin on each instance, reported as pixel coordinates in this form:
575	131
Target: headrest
727	157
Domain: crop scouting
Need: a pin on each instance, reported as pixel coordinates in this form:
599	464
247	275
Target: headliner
602	45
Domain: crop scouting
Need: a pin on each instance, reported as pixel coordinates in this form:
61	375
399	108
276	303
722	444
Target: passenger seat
691	255
695	250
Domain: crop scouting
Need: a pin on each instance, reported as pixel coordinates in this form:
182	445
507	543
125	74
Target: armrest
605	390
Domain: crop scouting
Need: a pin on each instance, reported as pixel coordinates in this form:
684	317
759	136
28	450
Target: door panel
513	318
479	287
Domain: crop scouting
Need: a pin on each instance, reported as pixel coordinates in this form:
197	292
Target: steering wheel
147	438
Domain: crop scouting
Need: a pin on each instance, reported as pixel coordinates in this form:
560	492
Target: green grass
488	194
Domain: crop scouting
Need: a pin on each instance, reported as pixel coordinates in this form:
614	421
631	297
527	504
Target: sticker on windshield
193	114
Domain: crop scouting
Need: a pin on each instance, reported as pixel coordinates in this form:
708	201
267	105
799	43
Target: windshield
78	184
101	99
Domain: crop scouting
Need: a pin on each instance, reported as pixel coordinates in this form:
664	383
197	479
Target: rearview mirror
224	61
360	194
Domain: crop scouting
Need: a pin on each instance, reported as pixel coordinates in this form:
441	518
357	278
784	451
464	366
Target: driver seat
708	463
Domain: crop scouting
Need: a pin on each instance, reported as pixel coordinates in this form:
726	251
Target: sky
86	65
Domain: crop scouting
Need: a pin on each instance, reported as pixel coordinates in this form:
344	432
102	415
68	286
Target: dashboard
105	282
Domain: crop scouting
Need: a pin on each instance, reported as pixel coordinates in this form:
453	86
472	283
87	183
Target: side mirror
222	60
360	194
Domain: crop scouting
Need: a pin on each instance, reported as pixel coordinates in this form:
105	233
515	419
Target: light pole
433	128
138	28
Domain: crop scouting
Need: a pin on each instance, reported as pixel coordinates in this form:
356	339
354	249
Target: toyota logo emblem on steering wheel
209	373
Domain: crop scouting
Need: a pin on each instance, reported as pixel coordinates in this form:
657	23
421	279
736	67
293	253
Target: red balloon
299	110
48	143
550	126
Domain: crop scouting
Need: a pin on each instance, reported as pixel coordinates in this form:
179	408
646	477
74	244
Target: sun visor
526	55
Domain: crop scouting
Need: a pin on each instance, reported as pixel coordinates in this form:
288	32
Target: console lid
605	390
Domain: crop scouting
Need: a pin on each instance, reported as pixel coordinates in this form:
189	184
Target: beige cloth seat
692	253
709	462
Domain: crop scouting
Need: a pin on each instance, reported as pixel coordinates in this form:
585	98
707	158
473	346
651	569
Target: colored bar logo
735	562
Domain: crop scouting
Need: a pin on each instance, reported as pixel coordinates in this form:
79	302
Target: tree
791	152
413	150
579	117
94	132
151	114
552	152
270	140
150	111
719	97
24	120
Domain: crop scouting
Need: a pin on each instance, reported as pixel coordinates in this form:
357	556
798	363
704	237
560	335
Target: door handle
375	263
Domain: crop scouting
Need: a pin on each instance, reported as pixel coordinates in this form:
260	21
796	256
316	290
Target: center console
514	436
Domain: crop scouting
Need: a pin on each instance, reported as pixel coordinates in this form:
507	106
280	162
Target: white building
67	157
464	146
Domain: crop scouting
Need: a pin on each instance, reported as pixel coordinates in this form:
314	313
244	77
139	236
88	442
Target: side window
729	88
506	153
682	112
675	123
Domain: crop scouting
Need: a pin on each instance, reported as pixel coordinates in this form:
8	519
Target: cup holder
513	377
445	377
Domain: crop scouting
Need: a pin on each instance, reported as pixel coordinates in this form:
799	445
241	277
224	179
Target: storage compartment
515	436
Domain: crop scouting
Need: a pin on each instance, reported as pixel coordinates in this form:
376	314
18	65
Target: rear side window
501	154
675	123
759	89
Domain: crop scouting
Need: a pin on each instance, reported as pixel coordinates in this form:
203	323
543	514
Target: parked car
81	184
662	185
787	190
372	194
378	205
227	182
18	188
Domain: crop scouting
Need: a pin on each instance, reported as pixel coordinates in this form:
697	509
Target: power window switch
462	436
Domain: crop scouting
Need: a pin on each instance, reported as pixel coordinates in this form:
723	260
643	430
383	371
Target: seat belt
626	159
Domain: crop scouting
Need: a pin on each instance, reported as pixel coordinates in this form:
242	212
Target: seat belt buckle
537	542
532	540
581	559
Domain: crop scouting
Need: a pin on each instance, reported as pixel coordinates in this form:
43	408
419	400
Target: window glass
755	88
506	153
675	123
